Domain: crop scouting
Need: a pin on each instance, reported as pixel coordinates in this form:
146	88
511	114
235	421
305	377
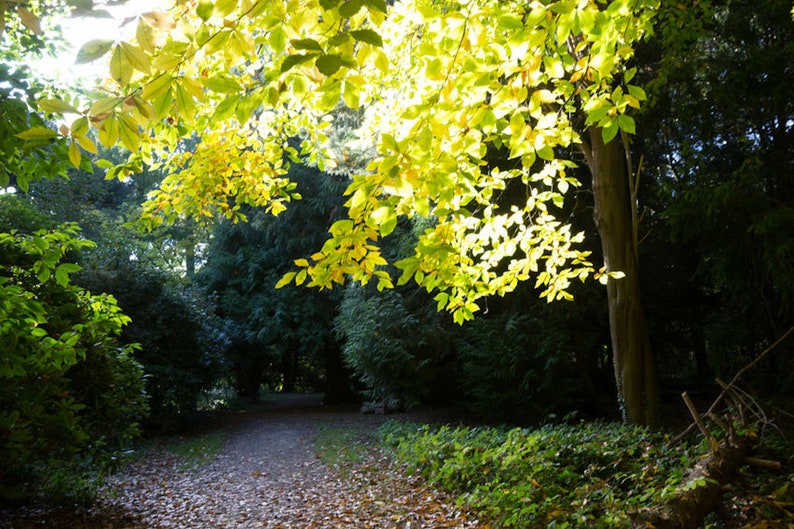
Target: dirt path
267	475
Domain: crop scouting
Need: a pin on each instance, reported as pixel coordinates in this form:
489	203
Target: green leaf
367	35
157	86
93	50
277	39
375	5
222	84
510	22
204	10
37	133
306	44
290	61
136	57
56	105
329	64
609	132
626	124
63	271
329	4
350	8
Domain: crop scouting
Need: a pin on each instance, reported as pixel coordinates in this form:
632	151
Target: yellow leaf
128	131
286	279
157	86
136	57
85	143
120	69
74	154
109	133
144	34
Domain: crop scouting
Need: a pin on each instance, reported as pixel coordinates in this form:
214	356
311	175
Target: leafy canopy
443	83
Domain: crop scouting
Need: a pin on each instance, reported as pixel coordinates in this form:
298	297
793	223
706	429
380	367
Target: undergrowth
591	475
586	475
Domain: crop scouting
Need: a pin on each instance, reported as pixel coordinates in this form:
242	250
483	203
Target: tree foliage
247	77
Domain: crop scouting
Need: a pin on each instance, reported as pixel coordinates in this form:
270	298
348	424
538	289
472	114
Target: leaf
376	5
120	69
350	8
351	95
626	124
74	154
104	105
278	39
286	279
144	34
609	132
37	133
157	86
306	44
86	143
136	57
367	35
93	50
328	64
57	106
30	20
63	271
222	84
290	61
510	22
204	10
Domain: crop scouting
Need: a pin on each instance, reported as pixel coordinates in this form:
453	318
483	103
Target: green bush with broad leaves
584	475
70	396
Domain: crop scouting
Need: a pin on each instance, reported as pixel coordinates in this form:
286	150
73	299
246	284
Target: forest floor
266	474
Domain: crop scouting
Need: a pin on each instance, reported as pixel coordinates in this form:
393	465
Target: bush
69	391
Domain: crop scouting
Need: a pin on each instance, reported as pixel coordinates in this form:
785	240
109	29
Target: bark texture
635	372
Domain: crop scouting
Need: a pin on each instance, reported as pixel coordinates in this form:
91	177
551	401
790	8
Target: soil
267	475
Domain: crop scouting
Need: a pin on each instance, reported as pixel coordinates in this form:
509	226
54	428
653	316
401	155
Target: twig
699	421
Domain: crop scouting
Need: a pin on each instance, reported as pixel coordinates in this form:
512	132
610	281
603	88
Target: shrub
69	392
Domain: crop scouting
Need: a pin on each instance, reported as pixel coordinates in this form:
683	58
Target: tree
442	84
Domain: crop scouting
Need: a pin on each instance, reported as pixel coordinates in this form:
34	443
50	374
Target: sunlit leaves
438	87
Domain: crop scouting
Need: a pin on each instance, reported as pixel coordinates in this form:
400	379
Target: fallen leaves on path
267	476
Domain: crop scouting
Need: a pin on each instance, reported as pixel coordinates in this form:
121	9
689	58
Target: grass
339	447
198	451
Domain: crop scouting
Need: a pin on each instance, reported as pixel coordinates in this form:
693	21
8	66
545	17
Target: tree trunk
635	372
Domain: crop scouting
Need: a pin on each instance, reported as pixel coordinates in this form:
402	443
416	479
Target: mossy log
701	493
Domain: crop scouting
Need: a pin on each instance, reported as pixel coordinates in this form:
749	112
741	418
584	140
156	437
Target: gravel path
267	475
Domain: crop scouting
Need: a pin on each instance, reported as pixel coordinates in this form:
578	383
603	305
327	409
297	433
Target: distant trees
717	185
282	339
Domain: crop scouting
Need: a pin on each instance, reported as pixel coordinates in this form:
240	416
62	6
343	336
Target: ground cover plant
565	475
